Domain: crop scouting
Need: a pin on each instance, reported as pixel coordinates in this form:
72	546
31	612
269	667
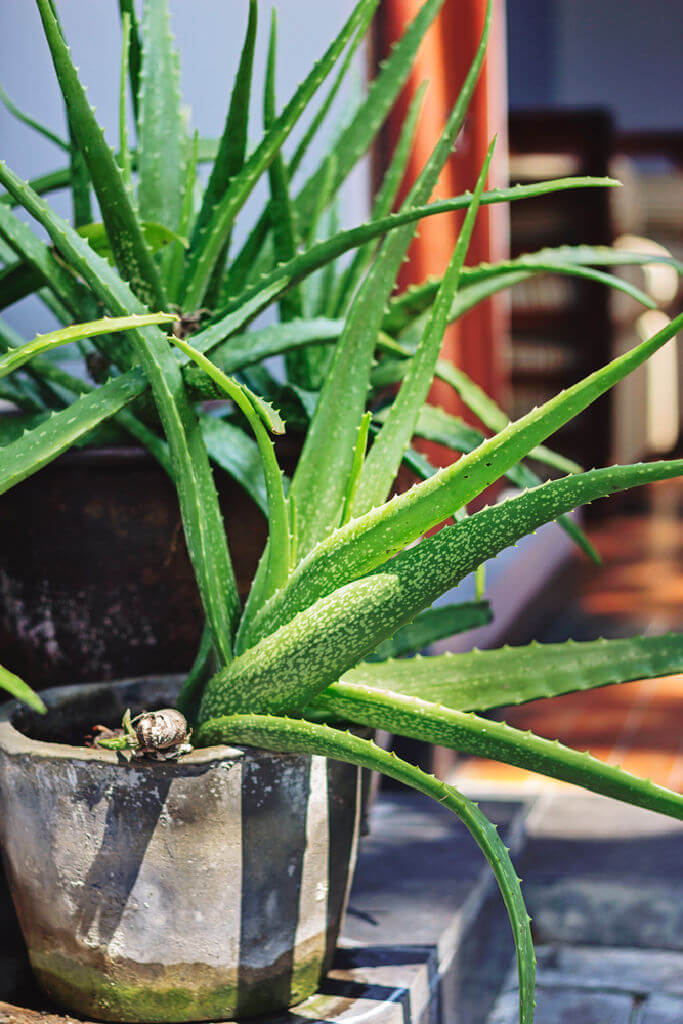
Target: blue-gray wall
624	55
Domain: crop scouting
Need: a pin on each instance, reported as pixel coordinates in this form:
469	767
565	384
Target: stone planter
199	890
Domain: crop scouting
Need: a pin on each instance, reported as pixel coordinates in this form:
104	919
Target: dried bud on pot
162	734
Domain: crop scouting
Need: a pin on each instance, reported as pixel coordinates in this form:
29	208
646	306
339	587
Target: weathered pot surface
197	890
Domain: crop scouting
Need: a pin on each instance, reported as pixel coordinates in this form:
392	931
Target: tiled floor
639	588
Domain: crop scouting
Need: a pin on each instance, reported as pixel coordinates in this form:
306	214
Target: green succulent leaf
204	256
493	417
63	283
161	138
173	264
231	449
292	736
233	144
21	690
424	720
17	280
363	543
384	459
127	7
383	202
258	413
356	466
482	680
434	424
124	157
62	430
564	259
285	670
156	236
324	252
31	122
324	108
428	628
362	130
320	479
282	220
45	342
231	153
125	234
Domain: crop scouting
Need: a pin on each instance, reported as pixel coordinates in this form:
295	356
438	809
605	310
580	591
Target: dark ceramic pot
95	580
199	890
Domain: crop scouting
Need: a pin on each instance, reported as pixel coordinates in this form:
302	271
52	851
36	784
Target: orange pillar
476	343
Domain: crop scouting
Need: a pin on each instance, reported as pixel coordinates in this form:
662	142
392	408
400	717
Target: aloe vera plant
346	582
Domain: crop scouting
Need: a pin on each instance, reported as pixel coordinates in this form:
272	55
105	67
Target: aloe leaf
20	690
60	383
282	220
252	405
60	279
45	342
383	203
230	448
124	158
353	142
324	108
356	466
127	7
355	549
200	511
81	201
31	122
128	245
323	252
31	452
161	138
315	232
233	144
299	737
384	459
17	280
63	429
320	478
427	628
411	716
54	180
436	425
173	266
258	412
306	368
362	130
190	694
493	417
418	298
252	347
204	256
286	669
482	680
156	236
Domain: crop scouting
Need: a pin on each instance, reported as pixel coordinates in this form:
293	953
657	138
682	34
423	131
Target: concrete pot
205	889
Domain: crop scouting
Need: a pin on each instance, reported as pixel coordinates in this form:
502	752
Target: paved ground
600	986
604	886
